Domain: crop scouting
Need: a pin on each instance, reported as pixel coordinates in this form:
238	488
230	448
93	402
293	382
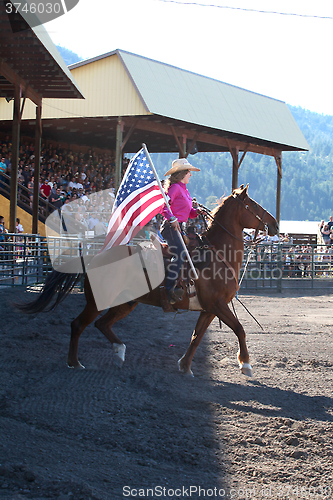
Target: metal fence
283	266
26	259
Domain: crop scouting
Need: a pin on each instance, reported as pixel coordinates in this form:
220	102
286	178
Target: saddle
196	246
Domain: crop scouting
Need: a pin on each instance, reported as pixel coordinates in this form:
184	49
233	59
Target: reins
252	244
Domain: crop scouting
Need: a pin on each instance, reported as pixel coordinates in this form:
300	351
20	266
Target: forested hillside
68	56
307	180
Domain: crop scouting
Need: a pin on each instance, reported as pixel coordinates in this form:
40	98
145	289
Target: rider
181	210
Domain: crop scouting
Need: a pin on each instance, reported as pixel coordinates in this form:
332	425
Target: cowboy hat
180	164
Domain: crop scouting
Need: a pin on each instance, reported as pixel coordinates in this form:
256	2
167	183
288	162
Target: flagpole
168	206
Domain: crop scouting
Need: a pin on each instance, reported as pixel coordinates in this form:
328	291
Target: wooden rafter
215	140
179	144
129	133
12	77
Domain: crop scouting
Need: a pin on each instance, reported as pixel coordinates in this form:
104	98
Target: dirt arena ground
146	431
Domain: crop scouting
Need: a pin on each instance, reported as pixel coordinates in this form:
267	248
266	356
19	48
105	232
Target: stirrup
175	295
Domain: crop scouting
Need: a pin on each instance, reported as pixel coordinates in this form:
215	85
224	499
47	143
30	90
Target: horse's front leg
223	312
105	323
203	323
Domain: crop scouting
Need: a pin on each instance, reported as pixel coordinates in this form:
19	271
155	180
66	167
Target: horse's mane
221	203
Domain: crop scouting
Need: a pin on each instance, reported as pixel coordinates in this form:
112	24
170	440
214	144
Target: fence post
279	267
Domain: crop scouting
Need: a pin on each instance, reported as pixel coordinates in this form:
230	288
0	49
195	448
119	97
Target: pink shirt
180	203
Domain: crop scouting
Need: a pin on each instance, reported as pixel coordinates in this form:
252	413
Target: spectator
31	190
66	208
325	232
331	236
45	190
56	200
54	189
72	184
330	222
3	166
26	174
19	227
93	221
8	161
3	232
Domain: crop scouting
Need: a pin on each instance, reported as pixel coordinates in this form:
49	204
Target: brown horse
216	286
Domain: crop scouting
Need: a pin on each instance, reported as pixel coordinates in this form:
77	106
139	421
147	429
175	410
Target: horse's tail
60	284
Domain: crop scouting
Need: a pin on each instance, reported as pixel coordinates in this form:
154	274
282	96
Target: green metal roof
182	95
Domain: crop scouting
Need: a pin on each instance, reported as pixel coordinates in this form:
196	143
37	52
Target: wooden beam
129	133
119	154
38	138
278	160
191	145
15	159
206	138
180	146
234	153
242	158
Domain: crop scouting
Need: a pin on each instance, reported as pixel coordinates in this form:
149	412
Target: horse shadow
261	399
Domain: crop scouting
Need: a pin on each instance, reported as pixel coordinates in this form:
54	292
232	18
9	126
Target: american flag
138	200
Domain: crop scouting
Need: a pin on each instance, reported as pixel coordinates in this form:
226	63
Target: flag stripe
123	217
140	196
137	221
138	200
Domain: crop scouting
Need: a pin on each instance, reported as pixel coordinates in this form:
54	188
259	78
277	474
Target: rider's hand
175	225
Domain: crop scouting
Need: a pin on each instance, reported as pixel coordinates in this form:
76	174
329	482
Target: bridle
260	219
246	207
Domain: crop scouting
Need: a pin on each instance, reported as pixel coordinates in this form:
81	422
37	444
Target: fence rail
26	259
283	266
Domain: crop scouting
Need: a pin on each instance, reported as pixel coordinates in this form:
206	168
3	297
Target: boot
175	295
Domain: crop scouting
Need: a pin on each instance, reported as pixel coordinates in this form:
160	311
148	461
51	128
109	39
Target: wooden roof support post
15	158
235	166
278	160
38	138
179	144
119	154
184	146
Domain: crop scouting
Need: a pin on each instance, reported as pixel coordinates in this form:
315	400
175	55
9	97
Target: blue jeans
172	238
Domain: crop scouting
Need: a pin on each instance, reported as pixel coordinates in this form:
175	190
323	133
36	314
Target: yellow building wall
25	218
106	86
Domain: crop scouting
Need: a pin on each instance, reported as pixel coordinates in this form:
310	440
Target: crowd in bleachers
66	176
73	172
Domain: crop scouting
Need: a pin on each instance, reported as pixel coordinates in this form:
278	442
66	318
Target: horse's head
253	215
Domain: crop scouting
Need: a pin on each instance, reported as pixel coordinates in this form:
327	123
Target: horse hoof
77	365
185	371
119	350
246	369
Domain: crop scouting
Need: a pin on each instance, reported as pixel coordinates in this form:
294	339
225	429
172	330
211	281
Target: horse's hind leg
223	312
84	319
105	323
203	323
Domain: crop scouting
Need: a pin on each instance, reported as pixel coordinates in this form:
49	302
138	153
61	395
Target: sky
287	57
